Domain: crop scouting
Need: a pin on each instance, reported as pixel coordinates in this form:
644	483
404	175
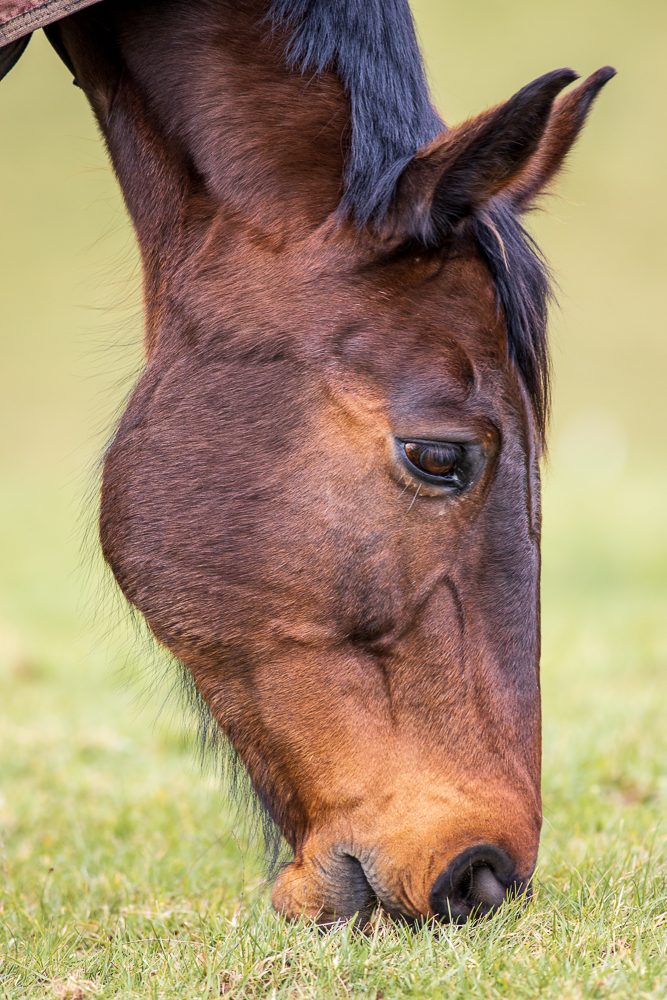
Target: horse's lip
394	899
391	894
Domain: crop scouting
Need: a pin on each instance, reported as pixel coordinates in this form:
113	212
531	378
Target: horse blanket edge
19	18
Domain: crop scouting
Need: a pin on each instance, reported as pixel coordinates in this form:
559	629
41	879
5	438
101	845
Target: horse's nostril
475	883
486	890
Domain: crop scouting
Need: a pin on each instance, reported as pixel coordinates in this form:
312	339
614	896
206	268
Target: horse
324	493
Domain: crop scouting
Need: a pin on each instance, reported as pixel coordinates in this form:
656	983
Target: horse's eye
440	461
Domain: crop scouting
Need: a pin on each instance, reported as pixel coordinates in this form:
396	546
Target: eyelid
473	431
453	450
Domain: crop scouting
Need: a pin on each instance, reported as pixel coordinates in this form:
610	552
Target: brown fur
369	644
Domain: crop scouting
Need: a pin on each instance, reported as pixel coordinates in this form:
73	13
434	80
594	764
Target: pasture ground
124	871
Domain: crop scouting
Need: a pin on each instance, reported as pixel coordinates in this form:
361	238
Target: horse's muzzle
339	886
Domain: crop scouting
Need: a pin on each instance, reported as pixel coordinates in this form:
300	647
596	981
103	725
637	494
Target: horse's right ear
514	149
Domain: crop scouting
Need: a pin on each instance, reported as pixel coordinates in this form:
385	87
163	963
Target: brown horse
324	493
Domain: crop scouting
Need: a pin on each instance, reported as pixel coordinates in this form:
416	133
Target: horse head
324	493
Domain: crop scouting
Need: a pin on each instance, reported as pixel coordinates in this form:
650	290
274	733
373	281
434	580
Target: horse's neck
207	110
223	155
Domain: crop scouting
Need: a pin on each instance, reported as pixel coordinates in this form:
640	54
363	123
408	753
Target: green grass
124	870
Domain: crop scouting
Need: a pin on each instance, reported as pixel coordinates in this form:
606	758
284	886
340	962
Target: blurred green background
70	319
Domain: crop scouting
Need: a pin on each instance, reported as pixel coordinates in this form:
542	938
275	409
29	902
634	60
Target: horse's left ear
512	150
566	121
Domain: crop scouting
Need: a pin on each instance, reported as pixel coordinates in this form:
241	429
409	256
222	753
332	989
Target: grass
115	879
124	870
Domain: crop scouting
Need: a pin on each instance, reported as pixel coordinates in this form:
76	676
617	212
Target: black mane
372	46
525	289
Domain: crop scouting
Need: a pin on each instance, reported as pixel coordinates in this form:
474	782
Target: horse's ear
515	148
565	123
